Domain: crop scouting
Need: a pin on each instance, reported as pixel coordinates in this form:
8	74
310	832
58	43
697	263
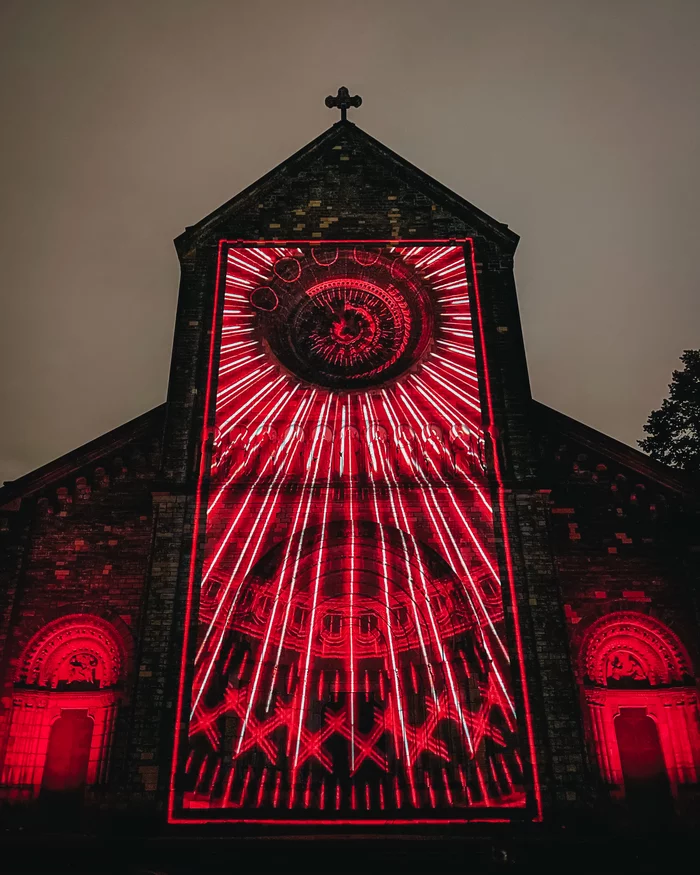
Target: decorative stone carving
75	649
632	647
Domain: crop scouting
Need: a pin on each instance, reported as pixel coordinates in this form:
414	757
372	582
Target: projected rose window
351	660
344	319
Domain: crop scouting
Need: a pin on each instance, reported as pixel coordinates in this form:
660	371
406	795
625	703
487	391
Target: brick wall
81	545
622	541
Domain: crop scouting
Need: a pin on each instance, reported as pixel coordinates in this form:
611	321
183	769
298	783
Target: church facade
350	575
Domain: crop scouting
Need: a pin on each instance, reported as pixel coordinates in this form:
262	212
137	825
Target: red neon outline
316	822
506	542
172	819
195	540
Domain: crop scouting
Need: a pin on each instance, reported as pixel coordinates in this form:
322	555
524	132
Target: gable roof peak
394	165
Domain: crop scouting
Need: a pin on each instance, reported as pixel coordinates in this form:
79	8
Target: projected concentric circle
357	326
350	328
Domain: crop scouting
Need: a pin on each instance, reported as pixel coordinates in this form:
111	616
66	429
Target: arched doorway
642	709
67	689
68	752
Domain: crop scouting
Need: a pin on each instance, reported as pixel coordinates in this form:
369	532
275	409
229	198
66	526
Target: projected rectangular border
194	814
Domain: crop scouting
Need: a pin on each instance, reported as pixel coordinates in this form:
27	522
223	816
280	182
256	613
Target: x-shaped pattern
311	744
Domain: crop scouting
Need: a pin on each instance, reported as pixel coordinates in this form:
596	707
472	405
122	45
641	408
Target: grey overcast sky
577	123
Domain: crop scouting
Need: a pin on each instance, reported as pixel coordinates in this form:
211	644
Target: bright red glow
64	705
351	658
506	543
642	705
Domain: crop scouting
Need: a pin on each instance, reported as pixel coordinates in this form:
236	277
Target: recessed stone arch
644	648
78	648
634	668
70	674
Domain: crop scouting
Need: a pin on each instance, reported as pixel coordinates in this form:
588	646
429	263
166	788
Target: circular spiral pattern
350	328
343	323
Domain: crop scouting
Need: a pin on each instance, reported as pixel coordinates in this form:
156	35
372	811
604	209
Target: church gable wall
343	194
79	546
619	538
348	187
627	556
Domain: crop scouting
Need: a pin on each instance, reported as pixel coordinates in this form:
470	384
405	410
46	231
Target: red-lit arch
76	648
70	674
632	664
657	652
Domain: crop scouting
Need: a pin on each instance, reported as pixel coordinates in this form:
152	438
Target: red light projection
351	660
642	704
65	701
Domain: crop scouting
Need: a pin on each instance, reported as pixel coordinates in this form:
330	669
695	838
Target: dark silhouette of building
351	576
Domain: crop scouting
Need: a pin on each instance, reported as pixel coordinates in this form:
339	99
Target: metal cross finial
343	102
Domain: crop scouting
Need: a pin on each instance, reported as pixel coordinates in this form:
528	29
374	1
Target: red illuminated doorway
73	667
643	709
68	753
641	756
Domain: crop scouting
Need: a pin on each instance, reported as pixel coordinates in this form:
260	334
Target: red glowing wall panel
351	661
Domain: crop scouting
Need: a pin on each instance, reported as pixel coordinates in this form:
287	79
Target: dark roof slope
550	420
148	423
370	149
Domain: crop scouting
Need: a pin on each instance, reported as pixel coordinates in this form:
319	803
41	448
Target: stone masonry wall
80	545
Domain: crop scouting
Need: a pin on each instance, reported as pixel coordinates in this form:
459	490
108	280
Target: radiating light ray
465	372
465	351
451	388
392	654
239	363
317	583
275	485
301	413
307	493
239	386
233	348
456	377
460	332
278	404
431	258
237	329
393	484
441	405
444	408
448	531
403	525
234	418
457	284
260	664
351	594
444	271
246	266
408	528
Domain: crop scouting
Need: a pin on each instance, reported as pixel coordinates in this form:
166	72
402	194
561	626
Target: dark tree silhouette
674	429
